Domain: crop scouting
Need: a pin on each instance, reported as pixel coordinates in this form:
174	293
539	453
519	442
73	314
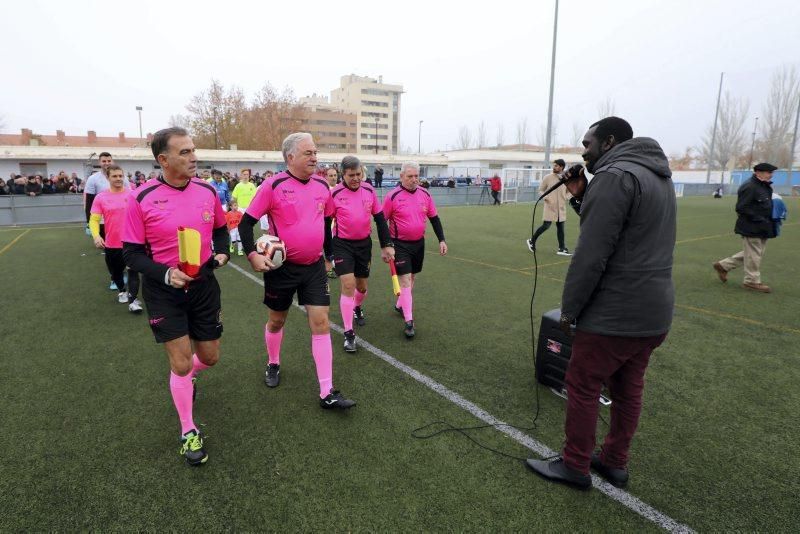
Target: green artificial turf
89	436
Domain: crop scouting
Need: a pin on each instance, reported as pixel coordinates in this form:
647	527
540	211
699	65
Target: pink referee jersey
407	212
353	210
156	210
112	207
296	211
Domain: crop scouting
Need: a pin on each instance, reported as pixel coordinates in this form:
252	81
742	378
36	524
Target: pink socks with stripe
181	389
322	349
347	304
406	302
273	342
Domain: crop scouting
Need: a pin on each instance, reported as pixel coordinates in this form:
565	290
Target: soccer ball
273	248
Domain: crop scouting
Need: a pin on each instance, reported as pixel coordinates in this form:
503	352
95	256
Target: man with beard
618	295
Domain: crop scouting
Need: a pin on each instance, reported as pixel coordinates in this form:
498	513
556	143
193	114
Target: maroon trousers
620	363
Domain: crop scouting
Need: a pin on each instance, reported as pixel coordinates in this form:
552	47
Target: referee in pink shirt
354	204
298	204
184	311
407	208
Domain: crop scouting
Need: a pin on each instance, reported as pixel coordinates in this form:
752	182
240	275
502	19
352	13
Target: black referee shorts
309	281
174	313
409	255
352	256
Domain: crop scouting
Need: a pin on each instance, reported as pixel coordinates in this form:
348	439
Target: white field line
623	497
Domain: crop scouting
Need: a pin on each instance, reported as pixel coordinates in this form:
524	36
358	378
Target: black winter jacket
754	208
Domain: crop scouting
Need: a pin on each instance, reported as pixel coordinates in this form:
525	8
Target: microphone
571	173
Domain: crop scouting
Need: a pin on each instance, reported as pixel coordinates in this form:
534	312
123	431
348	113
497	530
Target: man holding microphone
618	295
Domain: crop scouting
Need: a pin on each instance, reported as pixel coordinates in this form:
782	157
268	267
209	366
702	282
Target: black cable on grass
463	430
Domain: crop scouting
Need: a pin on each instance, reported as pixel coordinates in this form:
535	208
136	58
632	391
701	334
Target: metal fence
45	209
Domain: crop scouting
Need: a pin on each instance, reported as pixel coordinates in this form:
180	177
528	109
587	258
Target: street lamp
753	144
139	109
376	135
419	139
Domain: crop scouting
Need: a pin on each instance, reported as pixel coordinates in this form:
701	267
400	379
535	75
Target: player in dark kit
354	204
179	287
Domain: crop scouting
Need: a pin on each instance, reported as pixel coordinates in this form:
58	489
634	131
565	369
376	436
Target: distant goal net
514	179
678	190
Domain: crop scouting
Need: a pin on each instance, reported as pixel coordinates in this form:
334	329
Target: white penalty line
623	497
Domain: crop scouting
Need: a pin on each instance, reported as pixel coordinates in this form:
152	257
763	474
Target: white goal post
514	178
678	190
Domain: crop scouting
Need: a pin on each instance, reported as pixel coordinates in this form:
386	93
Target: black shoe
531	244
336	400
273	376
398	309
564	252
557	471
349	341
614	476
358	315
192	448
409	329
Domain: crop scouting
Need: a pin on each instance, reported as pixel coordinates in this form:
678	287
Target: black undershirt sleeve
246	233
222	240
89	201
136	259
383	229
437	228
327	245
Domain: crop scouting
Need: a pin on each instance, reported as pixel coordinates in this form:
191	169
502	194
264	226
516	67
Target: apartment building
377	108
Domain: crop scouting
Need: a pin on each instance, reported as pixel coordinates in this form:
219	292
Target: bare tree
777	117
605	108
464	138
219	118
522	132
501	134
179	121
481	138
577	135
730	142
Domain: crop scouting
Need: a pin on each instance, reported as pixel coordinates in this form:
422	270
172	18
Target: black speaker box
552	351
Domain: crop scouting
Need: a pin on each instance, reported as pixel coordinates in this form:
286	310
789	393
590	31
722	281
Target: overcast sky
81	66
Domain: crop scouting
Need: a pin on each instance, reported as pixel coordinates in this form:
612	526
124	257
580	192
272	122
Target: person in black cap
754	224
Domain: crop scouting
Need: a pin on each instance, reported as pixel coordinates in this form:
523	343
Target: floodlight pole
714	132
552	80
791	148
419	140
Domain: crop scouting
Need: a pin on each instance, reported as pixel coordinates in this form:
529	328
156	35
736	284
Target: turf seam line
621	496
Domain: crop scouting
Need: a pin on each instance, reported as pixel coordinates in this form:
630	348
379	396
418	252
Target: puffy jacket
619	281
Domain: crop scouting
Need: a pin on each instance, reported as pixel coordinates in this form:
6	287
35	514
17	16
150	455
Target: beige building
333	128
377	107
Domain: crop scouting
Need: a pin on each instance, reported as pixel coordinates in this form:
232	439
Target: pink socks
359	297
406	301
181	389
197	365
322	350
346	304
273	342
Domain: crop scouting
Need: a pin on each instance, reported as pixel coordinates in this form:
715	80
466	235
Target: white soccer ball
273	248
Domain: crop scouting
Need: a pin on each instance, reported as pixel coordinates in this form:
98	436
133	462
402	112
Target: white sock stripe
623	497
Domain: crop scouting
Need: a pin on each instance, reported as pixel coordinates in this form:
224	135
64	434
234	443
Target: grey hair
289	145
409	165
